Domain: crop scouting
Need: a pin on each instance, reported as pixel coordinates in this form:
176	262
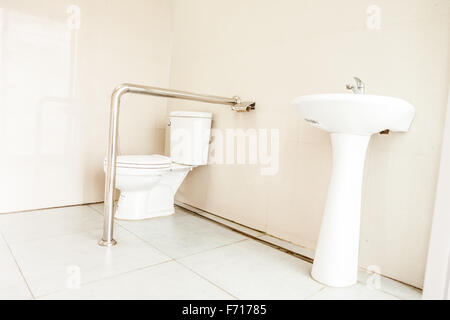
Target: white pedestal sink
351	119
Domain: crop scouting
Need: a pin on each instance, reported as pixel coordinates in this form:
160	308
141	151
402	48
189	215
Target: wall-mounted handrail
111	160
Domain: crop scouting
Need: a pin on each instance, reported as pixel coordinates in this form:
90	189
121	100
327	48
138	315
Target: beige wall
274	51
55	85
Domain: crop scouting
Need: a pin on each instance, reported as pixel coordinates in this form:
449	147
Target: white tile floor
52	254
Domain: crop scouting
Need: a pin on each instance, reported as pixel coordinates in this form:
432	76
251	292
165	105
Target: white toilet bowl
148	183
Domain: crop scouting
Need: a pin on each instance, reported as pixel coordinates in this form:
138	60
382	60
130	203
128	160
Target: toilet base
146	197
141	205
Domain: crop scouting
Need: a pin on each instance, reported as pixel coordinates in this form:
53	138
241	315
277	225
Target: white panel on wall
59	63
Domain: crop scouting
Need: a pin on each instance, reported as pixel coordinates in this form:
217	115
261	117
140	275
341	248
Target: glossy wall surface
274	51
59	63
61	59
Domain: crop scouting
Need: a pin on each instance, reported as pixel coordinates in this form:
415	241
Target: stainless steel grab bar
111	161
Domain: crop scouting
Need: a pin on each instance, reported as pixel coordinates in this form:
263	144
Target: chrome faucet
360	87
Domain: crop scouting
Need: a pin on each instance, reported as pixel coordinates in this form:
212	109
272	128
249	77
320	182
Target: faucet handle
350	87
359	82
360	87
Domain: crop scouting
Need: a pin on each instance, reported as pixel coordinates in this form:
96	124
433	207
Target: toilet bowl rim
139	171
153	161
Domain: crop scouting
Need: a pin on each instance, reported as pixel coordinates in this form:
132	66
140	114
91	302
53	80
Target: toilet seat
154	161
142	165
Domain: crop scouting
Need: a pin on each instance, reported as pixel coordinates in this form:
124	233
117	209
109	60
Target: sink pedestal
336	258
356	117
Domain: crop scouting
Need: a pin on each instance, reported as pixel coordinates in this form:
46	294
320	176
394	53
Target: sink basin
351	119
355	113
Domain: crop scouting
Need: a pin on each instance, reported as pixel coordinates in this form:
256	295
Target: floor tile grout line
177	258
170	259
383	291
18	267
14	242
359	283
91	206
193	210
170	255
228	224
206	279
311	297
54	236
136	235
386	292
258	239
229	227
225	226
109	277
410	287
47	208
211	249
146	242
390	294
277	247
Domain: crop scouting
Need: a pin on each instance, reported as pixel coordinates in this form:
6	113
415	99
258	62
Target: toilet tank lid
191	114
144	161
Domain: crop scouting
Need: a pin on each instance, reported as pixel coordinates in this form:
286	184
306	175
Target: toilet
148	183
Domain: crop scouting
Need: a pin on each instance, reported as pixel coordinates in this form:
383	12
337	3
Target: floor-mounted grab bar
110	181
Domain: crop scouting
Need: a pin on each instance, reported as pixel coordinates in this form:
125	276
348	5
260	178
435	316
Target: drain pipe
111	160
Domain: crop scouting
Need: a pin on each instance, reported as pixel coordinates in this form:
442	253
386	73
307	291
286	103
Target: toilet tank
190	133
